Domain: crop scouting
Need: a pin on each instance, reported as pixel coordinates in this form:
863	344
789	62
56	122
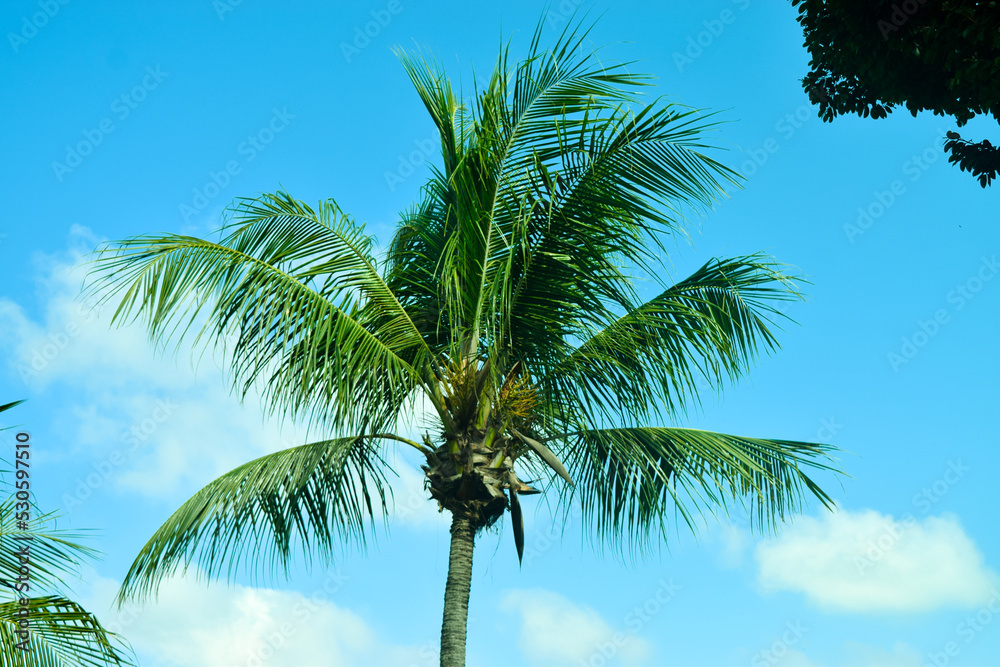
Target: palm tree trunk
456	592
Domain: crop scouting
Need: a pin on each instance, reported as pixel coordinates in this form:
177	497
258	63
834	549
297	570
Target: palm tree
59	632
506	301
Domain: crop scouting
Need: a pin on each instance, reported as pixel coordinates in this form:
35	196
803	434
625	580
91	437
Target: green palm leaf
298	289
602	208
54	552
481	187
63	634
711	325
630	480
8	406
317	494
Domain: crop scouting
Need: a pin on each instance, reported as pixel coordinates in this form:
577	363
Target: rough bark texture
471	480
456	591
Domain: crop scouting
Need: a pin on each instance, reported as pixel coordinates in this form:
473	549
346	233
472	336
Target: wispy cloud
136	419
869	562
192	624
557	631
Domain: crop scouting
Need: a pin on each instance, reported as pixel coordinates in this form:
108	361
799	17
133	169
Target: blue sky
126	118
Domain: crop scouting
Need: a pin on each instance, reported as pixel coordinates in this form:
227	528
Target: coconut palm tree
58	632
507	301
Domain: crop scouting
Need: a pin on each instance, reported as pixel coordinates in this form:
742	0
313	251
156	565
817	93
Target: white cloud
152	415
868	562
731	541
137	419
791	658
901	655
73	340
856	655
554	630
194	625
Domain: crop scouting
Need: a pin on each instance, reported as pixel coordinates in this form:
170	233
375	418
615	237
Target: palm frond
435	91
62	634
54	552
710	326
8	406
412	265
300	292
482	186
315	495
45	631
630	480
604	202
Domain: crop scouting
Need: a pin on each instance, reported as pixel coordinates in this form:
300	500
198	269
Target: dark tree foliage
869	57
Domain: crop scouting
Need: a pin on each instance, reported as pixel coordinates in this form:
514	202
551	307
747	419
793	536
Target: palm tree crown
506	299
